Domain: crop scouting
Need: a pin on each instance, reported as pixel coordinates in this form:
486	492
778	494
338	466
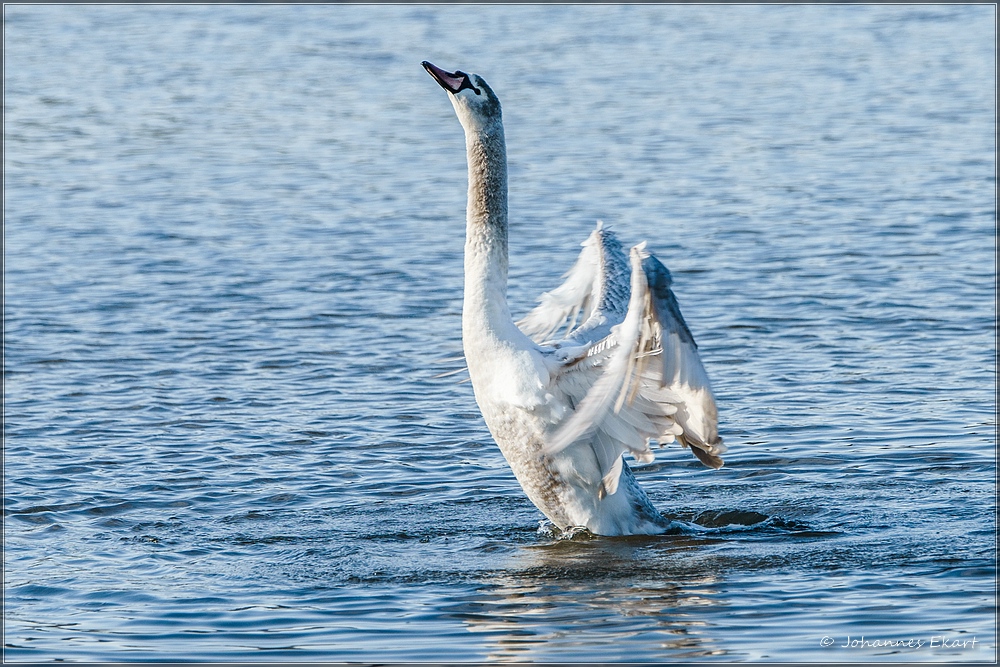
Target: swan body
603	366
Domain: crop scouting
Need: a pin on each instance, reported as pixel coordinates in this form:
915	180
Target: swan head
475	103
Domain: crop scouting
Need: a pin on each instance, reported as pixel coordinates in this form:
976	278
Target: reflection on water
564	599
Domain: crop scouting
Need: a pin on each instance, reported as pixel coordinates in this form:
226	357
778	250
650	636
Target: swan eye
466	83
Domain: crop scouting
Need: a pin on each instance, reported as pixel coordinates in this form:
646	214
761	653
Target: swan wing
644	381
593	298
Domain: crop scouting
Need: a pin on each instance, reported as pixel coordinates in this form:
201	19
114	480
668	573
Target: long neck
486	231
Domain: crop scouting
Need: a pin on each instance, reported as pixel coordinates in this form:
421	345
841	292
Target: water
233	248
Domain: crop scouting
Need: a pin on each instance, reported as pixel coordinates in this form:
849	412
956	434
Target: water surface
233	248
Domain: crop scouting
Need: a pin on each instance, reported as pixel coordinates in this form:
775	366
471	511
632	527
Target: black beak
450	81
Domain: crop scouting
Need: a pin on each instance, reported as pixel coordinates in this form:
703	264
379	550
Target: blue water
233	251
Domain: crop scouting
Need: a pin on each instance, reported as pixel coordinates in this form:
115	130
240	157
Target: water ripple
226	269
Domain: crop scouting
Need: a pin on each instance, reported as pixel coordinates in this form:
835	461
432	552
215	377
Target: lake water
233	256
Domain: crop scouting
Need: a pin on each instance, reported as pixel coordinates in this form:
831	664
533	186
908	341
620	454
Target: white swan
564	407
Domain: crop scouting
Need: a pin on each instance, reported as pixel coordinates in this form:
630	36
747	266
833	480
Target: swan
603	366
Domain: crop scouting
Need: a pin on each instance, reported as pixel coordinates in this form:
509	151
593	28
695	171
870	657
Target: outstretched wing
643	381
593	298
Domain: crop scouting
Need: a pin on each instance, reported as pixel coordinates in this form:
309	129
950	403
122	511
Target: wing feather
593	296
642	381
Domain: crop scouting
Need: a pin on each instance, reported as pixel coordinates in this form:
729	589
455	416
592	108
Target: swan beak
449	81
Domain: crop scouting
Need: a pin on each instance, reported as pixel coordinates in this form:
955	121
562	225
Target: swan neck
486	222
486	214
